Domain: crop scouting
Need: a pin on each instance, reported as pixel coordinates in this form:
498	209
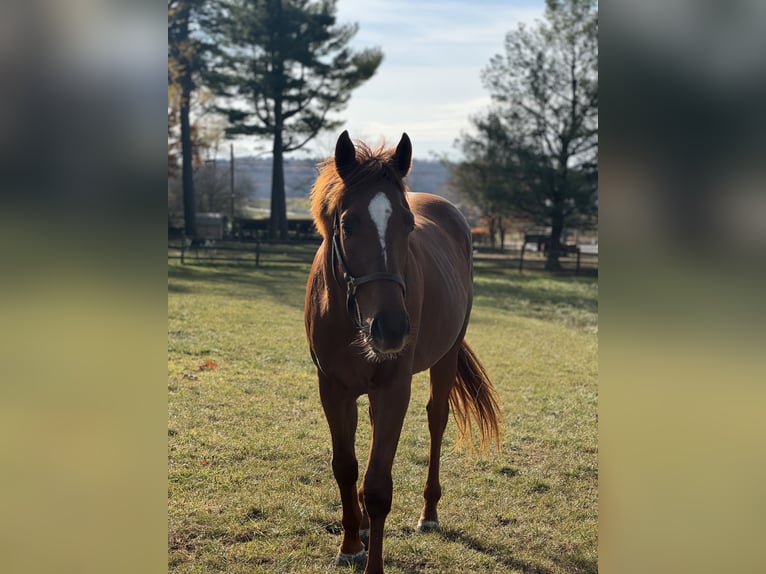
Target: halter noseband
352	283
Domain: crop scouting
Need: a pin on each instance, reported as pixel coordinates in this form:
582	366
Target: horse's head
371	227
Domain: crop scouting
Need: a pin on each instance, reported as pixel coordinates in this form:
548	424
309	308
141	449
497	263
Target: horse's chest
339	361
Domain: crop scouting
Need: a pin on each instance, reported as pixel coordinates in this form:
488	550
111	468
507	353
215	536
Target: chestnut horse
389	295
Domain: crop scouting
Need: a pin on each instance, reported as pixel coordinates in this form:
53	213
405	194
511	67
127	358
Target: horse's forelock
330	188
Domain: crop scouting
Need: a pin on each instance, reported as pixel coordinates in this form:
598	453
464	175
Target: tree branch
303	104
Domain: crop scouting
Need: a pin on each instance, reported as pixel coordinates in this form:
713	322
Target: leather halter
352	283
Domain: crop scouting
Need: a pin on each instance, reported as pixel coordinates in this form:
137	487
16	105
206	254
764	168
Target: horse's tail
474	399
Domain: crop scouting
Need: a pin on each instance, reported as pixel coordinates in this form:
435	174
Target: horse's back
442	248
436	209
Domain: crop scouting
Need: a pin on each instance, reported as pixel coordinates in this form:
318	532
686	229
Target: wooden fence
579	262
262	252
253	253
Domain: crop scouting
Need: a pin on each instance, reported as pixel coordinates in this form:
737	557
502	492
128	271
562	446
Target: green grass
265	499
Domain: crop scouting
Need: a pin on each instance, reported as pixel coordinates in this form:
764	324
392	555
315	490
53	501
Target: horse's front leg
364	527
388	406
340	410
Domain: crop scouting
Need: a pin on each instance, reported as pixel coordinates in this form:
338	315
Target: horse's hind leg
340	410
442	377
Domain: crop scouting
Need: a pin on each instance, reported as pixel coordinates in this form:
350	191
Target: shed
210	225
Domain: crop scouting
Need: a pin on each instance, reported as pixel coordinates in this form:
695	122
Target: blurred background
89	95
682	211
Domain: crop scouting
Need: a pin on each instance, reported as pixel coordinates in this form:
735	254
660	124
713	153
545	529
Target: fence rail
579	262
243	252
257	253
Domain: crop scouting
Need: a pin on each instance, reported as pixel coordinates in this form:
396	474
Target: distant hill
426	176
430	177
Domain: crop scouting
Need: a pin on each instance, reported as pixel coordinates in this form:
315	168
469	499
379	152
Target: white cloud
434	51
429	82
432	130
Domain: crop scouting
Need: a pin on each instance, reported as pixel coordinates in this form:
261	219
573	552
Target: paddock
250	487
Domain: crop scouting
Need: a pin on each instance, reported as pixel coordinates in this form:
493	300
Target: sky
429	81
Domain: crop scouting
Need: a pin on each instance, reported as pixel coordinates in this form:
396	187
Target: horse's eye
346	227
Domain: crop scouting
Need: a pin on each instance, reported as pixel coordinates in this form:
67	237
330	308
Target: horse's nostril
375	329
389	330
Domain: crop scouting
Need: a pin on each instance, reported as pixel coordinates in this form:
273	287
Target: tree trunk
501	228
187	153
552	262
278	222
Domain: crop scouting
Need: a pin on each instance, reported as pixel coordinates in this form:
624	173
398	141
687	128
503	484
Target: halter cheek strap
353	283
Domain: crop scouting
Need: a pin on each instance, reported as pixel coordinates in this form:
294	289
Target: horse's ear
403	155
345	154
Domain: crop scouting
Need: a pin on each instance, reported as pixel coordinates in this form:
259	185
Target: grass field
250	488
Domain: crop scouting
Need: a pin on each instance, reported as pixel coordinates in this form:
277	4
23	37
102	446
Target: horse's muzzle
389	331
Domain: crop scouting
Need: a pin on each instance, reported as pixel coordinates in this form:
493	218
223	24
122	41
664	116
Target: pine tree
185	62
539	140
282	67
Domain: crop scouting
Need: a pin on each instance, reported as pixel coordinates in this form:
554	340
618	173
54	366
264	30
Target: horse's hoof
358	560
364	535
427	525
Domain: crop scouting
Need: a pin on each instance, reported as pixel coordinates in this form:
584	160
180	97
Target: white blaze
380	211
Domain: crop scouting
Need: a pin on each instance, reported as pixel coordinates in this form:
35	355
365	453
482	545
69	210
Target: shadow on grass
504	288
580	564
413	566
286	284
176	288
561	298
497	552
535	296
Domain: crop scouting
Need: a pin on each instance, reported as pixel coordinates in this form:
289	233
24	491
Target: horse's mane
330	188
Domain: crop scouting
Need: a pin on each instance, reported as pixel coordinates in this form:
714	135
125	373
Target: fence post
183	248
257	252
